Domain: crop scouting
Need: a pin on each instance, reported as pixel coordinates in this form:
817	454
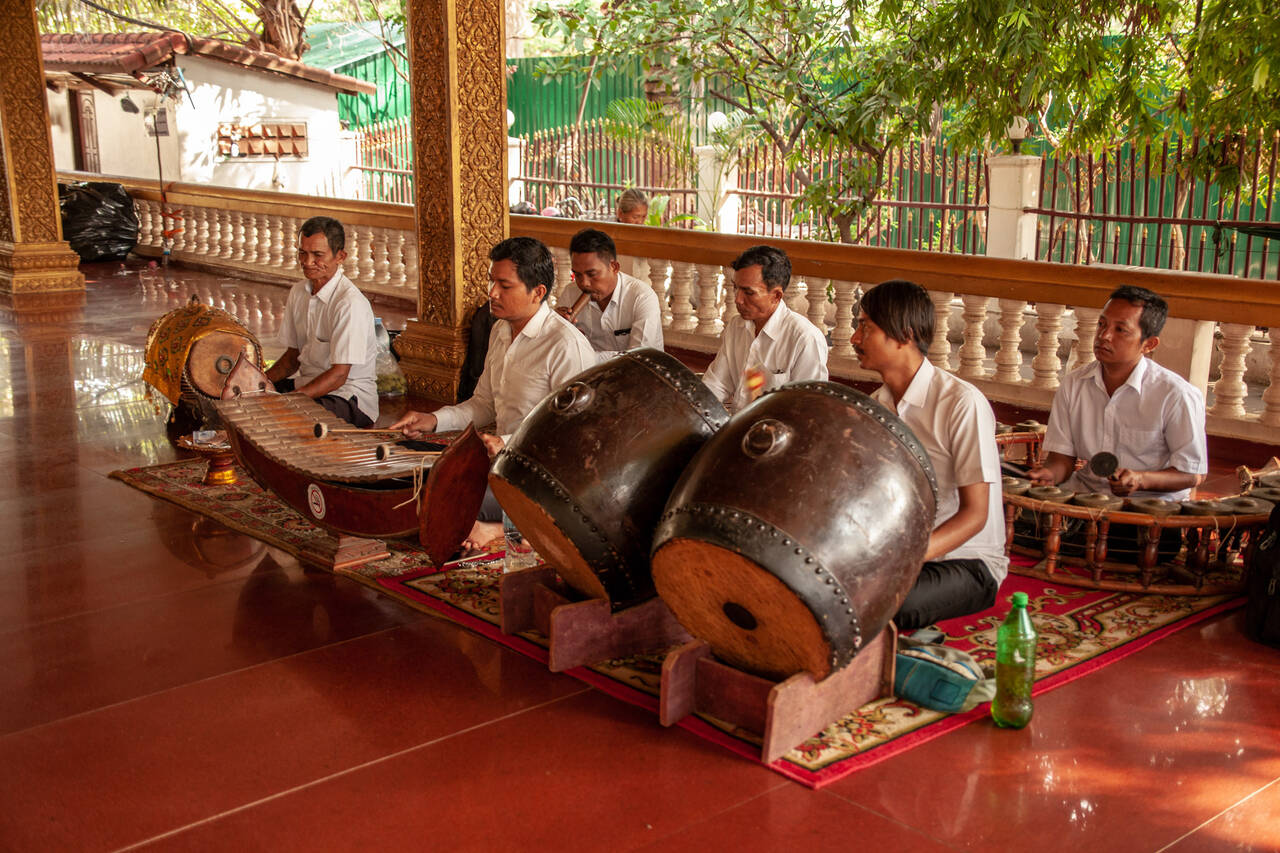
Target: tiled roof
125	53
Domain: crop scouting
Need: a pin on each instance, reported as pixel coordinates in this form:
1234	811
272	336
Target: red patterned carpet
1080	630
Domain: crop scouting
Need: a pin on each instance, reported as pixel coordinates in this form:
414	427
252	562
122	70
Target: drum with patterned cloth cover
797	531
586	475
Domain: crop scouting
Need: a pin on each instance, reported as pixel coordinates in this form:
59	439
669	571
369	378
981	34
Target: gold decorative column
33	255
459	167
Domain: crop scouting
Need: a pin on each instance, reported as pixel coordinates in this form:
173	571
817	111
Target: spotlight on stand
1017	131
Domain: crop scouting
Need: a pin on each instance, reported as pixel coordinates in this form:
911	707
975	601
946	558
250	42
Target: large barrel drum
587	474
796	532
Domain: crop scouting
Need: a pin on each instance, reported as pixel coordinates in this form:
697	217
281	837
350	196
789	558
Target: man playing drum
328	330
532	351
965	560
766	338
1124	403
622	311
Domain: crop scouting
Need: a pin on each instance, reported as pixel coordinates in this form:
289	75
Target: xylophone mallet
383	452
322	430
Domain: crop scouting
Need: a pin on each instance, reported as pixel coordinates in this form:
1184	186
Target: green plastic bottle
1015	667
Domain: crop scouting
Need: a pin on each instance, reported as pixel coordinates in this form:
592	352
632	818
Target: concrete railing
1009	326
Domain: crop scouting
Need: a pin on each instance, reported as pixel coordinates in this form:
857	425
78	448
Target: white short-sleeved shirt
789	349
954	422
631	319
1155	420
519	372
334	326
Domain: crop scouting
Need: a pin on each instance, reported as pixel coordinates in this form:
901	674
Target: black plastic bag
98	220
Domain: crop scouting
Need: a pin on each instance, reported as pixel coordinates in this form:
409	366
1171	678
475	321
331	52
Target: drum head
212	357
552	544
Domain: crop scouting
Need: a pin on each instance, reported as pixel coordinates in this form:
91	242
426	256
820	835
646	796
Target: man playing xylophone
328	330
532	351
766	336
965	560
622	312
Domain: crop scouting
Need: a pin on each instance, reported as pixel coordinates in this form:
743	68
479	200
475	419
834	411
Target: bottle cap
1019	599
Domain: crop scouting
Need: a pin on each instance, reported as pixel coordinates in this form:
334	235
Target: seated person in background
328	330
965	561
633	207
1124	403
532	351
622	312
765	334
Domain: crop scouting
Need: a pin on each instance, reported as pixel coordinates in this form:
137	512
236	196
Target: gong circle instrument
795	534
585	476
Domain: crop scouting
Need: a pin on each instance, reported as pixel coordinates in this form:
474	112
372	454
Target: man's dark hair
1154	309
591	241
534	265
902	310
331	229
775	266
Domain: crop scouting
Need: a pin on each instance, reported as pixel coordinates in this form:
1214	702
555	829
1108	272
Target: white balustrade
395	259
564	273
380	265
841	336
1086	331
659	269
729	305
365	264
1271	396
816	296
1046	365
940	347
1229	391
1009	356
202	234
682	316
237	235
973	355
708	295
251	238
794	295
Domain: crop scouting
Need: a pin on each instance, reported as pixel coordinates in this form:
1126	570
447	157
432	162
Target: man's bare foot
482	533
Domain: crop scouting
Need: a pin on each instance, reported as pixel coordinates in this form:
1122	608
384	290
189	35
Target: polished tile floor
167	684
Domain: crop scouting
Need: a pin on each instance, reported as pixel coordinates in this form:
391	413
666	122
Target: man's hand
564	311
493	443
416	424
1042	477
1125	482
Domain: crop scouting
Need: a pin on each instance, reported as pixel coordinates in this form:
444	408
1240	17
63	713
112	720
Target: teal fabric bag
940	678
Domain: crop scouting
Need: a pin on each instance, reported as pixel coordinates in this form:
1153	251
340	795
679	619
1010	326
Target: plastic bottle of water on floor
1015	667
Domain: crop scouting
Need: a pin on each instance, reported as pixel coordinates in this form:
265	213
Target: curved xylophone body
339	482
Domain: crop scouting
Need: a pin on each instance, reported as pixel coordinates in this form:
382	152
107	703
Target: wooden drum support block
583	632
783	713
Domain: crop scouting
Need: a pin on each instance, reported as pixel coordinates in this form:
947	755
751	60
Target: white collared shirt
631	319
954	422
1155	420
519	372
788	349
334	326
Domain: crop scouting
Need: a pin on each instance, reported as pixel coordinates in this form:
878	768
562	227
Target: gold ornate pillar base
39	268
431	357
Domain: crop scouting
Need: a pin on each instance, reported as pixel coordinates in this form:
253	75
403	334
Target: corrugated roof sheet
337	45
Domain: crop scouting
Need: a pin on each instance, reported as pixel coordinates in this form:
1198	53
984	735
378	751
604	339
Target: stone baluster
1009	357
251	233
142	208
202	231
1046	364
729	306
237	235
365	263
564	274
381	267
658	269
411	261
841	337
226	243
275	228
973	355
1271	396
794	296
940	347
180	224
217	232
1230	391
395	257
1086	331
682	316
708	294
816	296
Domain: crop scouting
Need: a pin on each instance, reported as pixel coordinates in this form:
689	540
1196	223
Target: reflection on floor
170	684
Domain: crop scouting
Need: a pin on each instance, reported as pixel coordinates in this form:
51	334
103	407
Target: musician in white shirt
622	312
532	351
765	335
1151	418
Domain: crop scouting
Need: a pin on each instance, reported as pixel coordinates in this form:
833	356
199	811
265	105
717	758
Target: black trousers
944	590
345	408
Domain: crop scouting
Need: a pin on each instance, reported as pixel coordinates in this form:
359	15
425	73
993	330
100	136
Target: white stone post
1015	186
717	190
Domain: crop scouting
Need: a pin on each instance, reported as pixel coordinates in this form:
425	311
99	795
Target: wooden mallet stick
322	430
383	452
